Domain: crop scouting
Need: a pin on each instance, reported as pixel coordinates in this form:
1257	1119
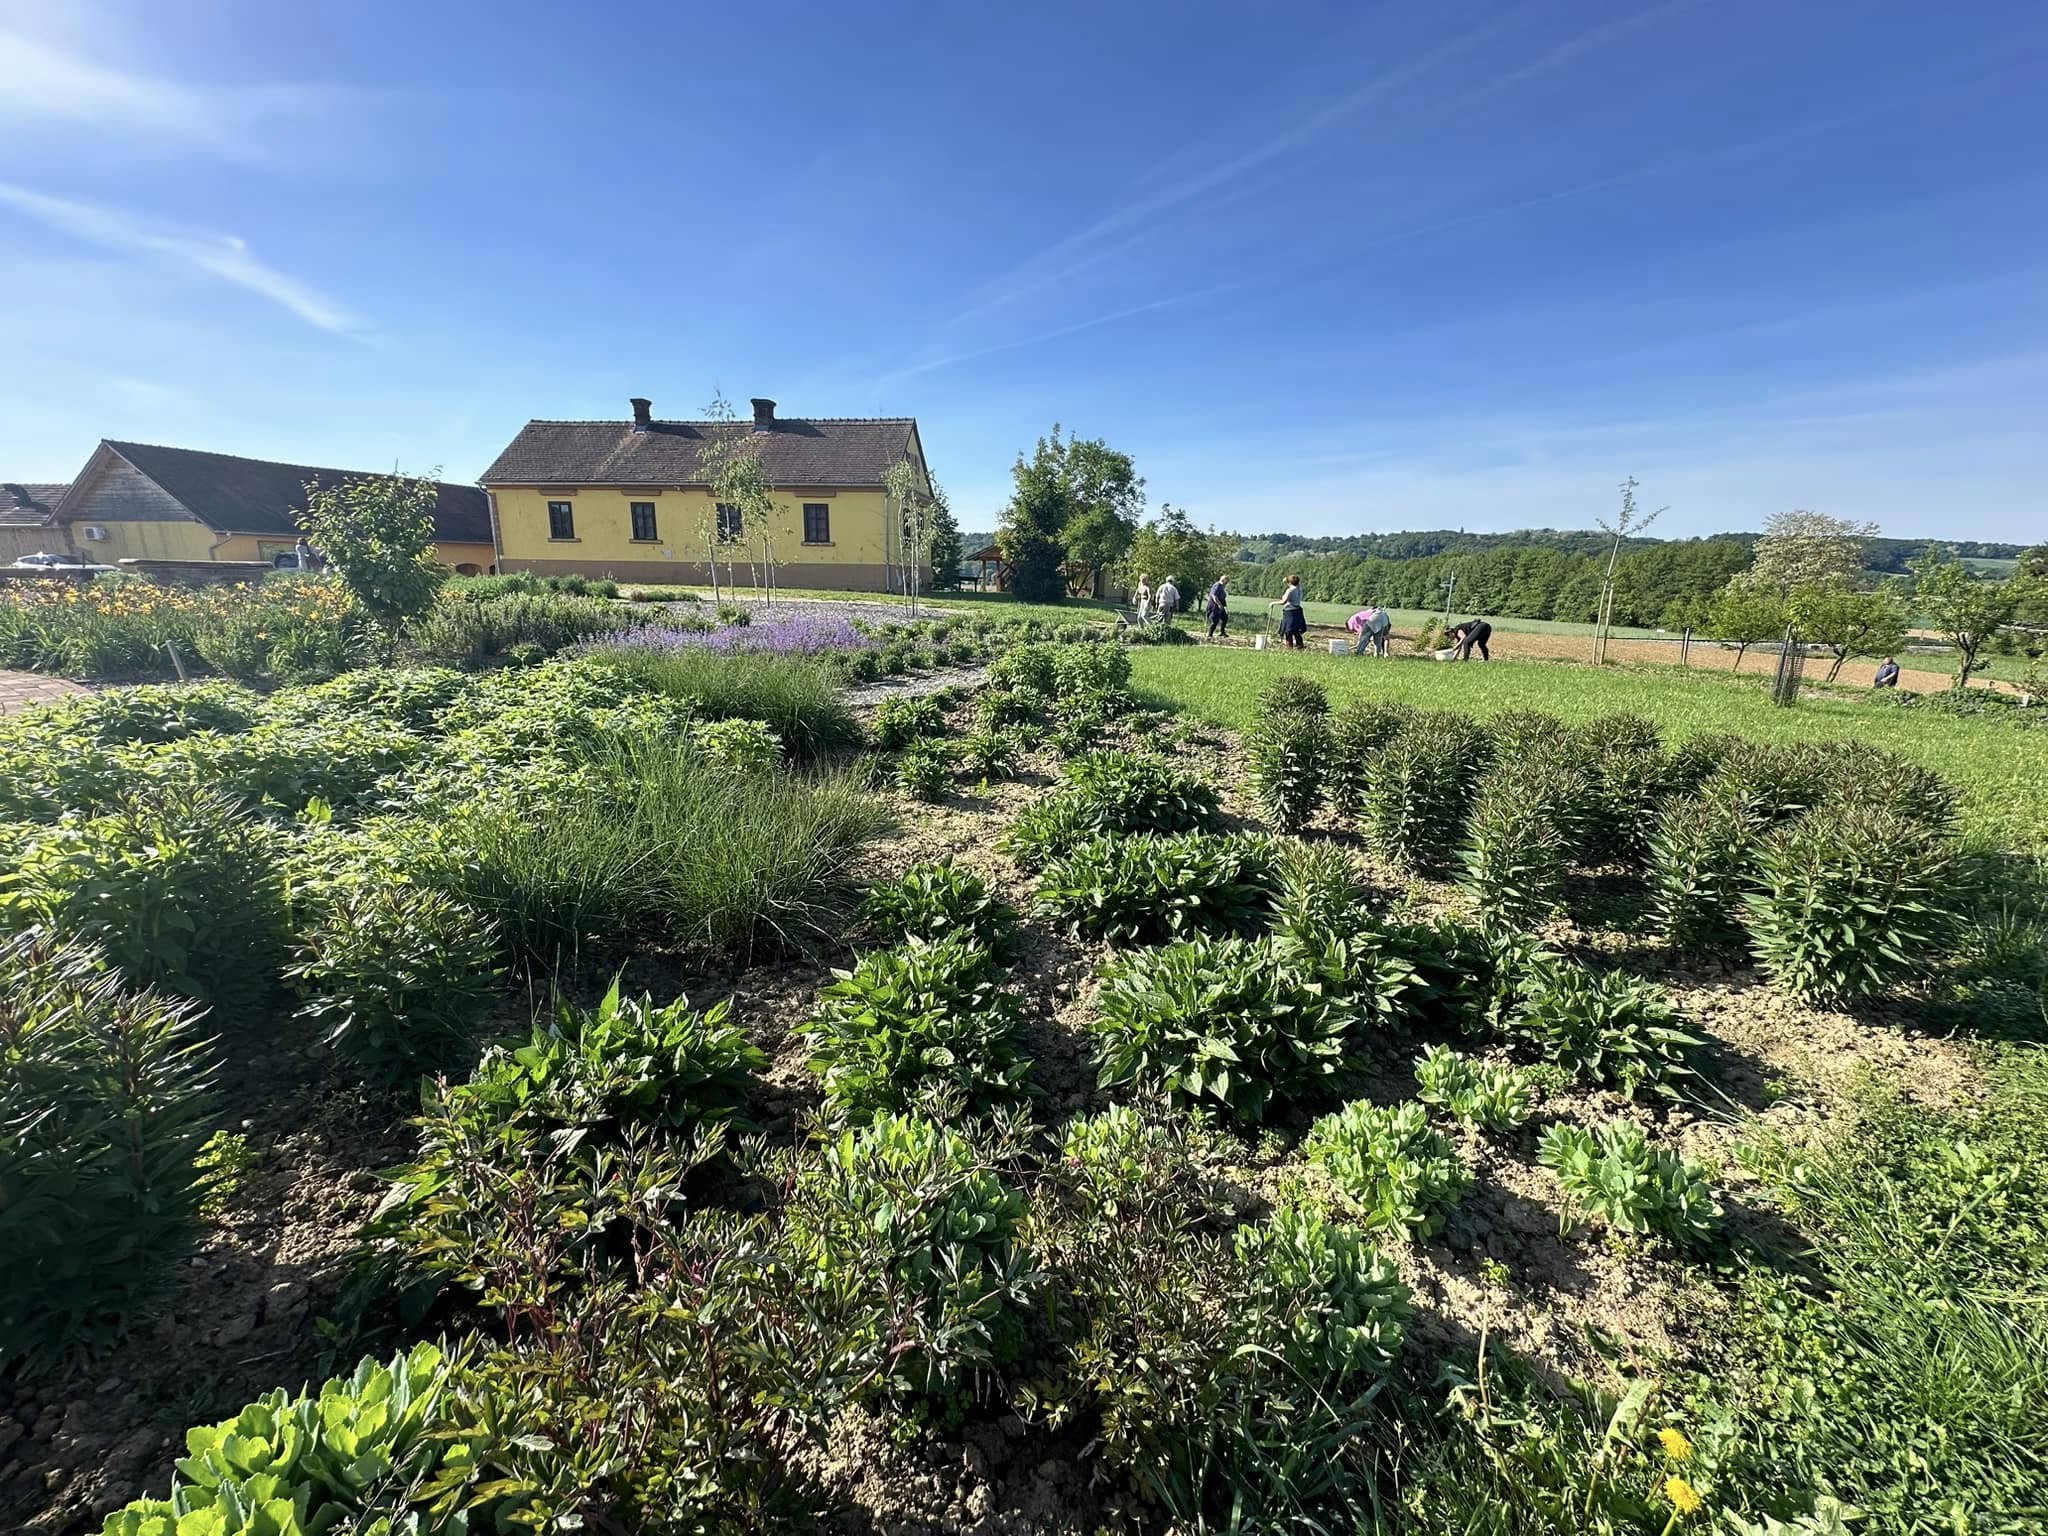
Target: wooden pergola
992	556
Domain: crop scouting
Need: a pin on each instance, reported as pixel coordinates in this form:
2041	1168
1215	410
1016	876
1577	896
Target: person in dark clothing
1471	633
1219	609
1887	675
1293	620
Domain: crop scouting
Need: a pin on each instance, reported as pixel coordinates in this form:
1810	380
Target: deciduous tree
1965	609
1807	549
1850	623
1171	545
377	532
1074	510
1746	614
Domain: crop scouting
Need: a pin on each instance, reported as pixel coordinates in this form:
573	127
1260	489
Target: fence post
1791	664
1685	647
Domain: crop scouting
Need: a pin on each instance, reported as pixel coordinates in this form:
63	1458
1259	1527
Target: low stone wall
198	573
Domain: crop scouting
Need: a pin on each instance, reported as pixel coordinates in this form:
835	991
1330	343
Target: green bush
1700	858
1359	731
150	712
1420	791
287	765
925	770
103	1109
1287	752
1402	1175
364	1454
1490	1097
995	754
1030	667
412	698
1011	706
913	1238
744	746
1240	1022
1522	734
1090	667
1602	1027
1113	793
1698	758
899	722
1147	888
263	646
1616	1176
1287	696
796	697
919	1025
1517	850
1849	901
939	900
396	977
1781	781
1320	891
180	891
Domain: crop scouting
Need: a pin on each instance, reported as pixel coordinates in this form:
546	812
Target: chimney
764	415
642	419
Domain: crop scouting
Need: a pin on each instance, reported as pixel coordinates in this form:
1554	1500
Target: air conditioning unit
95	533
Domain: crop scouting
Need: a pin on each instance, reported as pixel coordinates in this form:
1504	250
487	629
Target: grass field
2003	769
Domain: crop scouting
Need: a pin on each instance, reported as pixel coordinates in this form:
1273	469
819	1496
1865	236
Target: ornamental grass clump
794	694
1616	1176
1238	1025
911	1239
104	1106
1701	856
917	1025
1482	1094
939	900
1420	792
397	978
1401	1175
1850	901
1148	888
1602	1026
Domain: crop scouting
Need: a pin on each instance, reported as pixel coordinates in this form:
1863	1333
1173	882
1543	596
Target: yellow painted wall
153	540
604	527
482	556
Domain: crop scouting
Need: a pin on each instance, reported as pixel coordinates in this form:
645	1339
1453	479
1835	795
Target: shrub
1491	1097
1402	1175
1516	856
1287	696
103	1110
1031	667
995	754
917	1236
795	696
1114	793
655	843
1602	1027
917	1025
899	722
1090	667
925	770
1420	790
1359	731
1849	901
1146	888
360	1455
397	977
1700	856
1287	752
179	891
1618	1177
1236	1021
936	901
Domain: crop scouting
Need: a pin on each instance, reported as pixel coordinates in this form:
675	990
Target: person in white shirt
1143	598
1169	600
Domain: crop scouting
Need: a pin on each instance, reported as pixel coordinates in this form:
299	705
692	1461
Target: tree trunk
1739	650
1836	669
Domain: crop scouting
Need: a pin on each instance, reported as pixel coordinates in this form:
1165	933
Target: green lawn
1407	619
2003	769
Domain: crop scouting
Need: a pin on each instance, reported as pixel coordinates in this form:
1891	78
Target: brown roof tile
28	504
794	451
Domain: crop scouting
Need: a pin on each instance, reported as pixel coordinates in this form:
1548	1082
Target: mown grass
2003	769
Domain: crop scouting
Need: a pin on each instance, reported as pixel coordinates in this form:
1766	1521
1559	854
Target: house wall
21	539
857	557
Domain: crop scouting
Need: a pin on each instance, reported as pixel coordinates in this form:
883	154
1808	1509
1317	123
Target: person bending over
1473	633
1371	626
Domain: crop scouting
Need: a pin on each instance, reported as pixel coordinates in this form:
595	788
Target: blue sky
1323	268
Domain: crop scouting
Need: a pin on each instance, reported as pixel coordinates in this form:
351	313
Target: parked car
42	558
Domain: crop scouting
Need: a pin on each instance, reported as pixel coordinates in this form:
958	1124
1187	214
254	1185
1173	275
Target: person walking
1219	608
1887	675
1142	598
1168	598
1293	621
1471	633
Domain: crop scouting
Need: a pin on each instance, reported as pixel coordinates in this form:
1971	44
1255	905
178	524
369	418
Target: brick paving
20	689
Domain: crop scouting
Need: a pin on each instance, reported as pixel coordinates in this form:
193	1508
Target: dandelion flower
1683	1496
1676	1446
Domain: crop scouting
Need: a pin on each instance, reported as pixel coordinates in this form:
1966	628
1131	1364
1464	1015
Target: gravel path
866	695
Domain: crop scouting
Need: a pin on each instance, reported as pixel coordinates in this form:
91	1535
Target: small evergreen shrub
1700	858
1420	792
925	770
1602	1027
1287	752
1402	1175
104	1107
913	1240
1481	1094
899	722
397	977
1616	1176
939	900
1517	851
1236	1023
1850	900
907	1026
1147	888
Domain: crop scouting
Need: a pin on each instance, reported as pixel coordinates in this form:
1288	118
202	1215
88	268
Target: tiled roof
237	495
794	451
25	505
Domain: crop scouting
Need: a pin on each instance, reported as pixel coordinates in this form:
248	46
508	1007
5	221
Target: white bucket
1340	647
1446	654
1258	642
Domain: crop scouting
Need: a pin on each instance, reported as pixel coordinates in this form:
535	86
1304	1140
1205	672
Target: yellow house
138	501
629	499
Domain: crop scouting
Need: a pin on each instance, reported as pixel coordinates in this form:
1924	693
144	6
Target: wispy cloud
40	81
896	376
223	258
